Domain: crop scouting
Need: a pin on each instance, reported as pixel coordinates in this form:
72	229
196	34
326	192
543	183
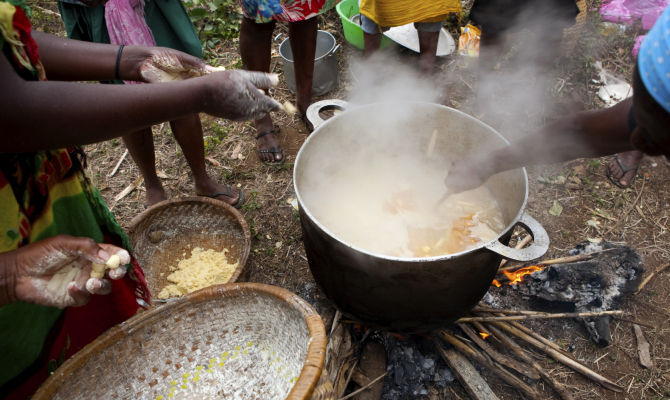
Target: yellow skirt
389	13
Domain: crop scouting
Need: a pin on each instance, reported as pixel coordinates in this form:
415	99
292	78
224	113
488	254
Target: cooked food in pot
388	206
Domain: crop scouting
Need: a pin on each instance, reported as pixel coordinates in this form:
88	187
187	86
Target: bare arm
42	115
585	134
75	60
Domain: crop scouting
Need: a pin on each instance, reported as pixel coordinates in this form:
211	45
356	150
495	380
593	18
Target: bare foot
623	168
155	194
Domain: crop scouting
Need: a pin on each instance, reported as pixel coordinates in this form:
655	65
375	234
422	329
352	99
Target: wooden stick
118	164
539	316
562	260
632	321
558	356
357	391
510	363
557	386
540	338
473	354
472	381
647	279
518	245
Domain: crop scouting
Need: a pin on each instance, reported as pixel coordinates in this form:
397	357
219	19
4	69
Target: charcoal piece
413	367
598	284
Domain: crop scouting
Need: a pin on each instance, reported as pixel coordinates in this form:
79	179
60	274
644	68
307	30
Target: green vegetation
214	20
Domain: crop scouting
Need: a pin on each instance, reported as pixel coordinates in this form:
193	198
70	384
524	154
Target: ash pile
600	283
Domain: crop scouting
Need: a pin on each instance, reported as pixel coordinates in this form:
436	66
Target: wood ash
597	284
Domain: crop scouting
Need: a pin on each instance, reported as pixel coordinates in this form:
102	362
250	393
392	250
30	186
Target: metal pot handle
312	112
537	249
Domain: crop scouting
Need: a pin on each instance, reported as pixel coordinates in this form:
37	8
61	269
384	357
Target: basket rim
304	385
244	255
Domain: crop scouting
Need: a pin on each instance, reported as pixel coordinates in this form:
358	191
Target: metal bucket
406	294
326	75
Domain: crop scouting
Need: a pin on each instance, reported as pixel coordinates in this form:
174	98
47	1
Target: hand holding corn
60	271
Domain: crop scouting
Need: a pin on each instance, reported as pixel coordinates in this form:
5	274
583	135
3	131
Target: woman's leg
140	145
427	50
188	133
255	49
302	36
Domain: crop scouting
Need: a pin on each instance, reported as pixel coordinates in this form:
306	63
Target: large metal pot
406	294
326	75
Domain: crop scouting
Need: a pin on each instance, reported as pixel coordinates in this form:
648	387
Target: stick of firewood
557	386
539	338
472	381
518	245
357	391
562	260
521	368
118	164
482	359
647	279
529	332
540	316
558	356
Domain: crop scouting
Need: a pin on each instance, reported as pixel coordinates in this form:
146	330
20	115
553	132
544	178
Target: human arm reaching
56	271
584	134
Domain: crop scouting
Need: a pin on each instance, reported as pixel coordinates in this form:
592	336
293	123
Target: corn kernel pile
204	268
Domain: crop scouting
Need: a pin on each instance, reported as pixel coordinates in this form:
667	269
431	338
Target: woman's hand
239	95
158	64
57	271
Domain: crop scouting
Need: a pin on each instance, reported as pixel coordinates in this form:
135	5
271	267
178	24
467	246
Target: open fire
492	337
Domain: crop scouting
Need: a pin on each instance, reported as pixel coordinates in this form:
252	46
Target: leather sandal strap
274	130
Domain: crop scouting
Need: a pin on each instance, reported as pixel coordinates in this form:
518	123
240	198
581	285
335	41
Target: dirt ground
591	206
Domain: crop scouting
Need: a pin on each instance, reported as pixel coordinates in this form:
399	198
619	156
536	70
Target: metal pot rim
483	245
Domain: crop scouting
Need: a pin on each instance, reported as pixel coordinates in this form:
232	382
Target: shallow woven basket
167	232
238	340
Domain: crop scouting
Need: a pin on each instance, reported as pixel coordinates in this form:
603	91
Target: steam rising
513	97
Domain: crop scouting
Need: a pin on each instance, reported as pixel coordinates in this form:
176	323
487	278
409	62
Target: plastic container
347	9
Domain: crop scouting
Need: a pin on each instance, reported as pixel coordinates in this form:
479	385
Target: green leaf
198	13
556	209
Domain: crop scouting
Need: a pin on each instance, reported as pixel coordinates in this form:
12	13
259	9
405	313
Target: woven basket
238	340
167	232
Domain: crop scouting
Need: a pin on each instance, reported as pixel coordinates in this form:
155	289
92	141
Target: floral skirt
263	11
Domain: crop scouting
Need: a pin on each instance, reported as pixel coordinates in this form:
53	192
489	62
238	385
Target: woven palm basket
237	341
166	232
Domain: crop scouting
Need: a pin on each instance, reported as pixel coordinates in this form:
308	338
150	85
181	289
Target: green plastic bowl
352	31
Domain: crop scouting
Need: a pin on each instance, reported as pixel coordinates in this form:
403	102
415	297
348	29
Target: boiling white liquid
389	206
